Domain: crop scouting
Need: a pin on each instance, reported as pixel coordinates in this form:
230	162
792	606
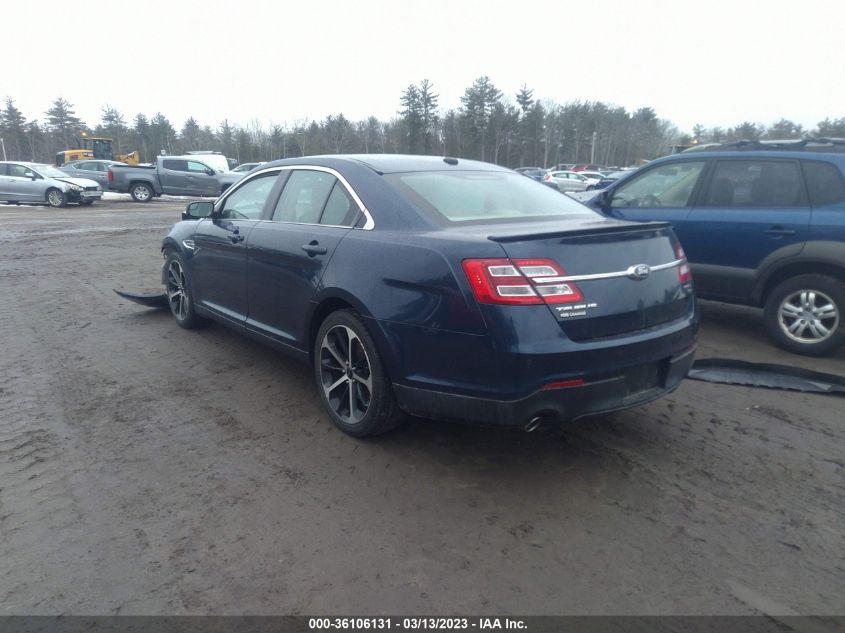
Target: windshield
49	171
482	196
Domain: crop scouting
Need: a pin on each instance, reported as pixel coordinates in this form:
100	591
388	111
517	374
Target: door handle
779	231
314	248
236	238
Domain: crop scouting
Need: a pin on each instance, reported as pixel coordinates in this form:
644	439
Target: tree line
487	125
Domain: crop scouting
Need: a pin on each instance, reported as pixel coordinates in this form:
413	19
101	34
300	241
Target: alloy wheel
808	316
177	290
345	374
55	198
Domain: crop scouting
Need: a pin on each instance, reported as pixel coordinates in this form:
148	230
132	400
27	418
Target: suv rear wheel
804	314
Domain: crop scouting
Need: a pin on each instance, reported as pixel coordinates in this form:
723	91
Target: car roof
391	163
751	153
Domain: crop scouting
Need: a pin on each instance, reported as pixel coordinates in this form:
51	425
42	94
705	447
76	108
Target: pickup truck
172	175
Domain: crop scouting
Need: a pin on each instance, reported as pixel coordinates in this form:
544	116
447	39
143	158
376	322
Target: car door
173	176
99	173
289	253
750	209
218	265
200	181
5	181
23	184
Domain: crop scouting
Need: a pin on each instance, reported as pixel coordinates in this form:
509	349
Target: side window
194	166
824	182
304	197
340	209
18	171
755	183
175	164
669	185
247	201
4	169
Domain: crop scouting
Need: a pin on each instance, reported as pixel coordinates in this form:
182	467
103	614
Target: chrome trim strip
369	224
613	275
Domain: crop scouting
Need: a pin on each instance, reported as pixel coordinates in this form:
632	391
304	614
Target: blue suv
762	224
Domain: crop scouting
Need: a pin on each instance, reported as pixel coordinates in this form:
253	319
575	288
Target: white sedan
566	180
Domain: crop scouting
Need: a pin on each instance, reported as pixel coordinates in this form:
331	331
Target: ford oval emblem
639	272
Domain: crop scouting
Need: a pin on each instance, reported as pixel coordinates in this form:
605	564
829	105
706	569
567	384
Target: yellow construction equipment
95	148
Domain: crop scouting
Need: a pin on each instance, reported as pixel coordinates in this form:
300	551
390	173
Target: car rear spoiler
615	227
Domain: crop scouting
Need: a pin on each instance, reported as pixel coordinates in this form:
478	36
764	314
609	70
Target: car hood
79	182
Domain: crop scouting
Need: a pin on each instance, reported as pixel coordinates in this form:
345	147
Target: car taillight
684	274
111	176
546	177
512	282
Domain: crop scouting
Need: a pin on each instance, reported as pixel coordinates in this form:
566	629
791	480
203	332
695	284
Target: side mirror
198	210
210	171
33	177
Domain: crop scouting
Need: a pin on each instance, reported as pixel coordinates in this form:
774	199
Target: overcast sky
712	62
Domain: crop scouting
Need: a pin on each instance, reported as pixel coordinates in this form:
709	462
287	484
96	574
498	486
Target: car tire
354	387
804	314
590	187
180	298
56	198
141	192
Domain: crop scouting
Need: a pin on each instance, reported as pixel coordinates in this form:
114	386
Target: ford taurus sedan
438	287
36	183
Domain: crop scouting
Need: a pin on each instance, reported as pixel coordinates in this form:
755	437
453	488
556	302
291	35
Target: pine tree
479	101
113	125
428	113
412	118
13	130
63	122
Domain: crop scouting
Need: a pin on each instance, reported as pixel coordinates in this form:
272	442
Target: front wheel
56	198
804	314
353	384
180	298
141	192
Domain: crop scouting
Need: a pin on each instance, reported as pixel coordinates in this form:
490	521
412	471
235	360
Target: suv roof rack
791	145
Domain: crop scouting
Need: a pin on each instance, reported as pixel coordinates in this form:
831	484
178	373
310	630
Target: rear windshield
483	196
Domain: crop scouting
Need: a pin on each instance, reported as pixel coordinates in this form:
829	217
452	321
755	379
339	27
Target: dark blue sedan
438	287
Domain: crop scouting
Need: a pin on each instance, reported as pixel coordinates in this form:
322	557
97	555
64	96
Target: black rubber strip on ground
150	300
739	372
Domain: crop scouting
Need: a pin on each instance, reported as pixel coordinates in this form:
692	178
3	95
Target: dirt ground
145	469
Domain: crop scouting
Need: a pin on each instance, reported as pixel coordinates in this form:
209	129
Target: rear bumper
629	388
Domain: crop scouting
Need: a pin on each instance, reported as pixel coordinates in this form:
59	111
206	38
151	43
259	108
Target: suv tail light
547	176
684	274
111	176
511	282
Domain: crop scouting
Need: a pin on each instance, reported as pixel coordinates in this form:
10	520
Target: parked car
173	175
34	182
96	170
538	174
438	287
566	180
762	224
610	178
245	167
593	177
